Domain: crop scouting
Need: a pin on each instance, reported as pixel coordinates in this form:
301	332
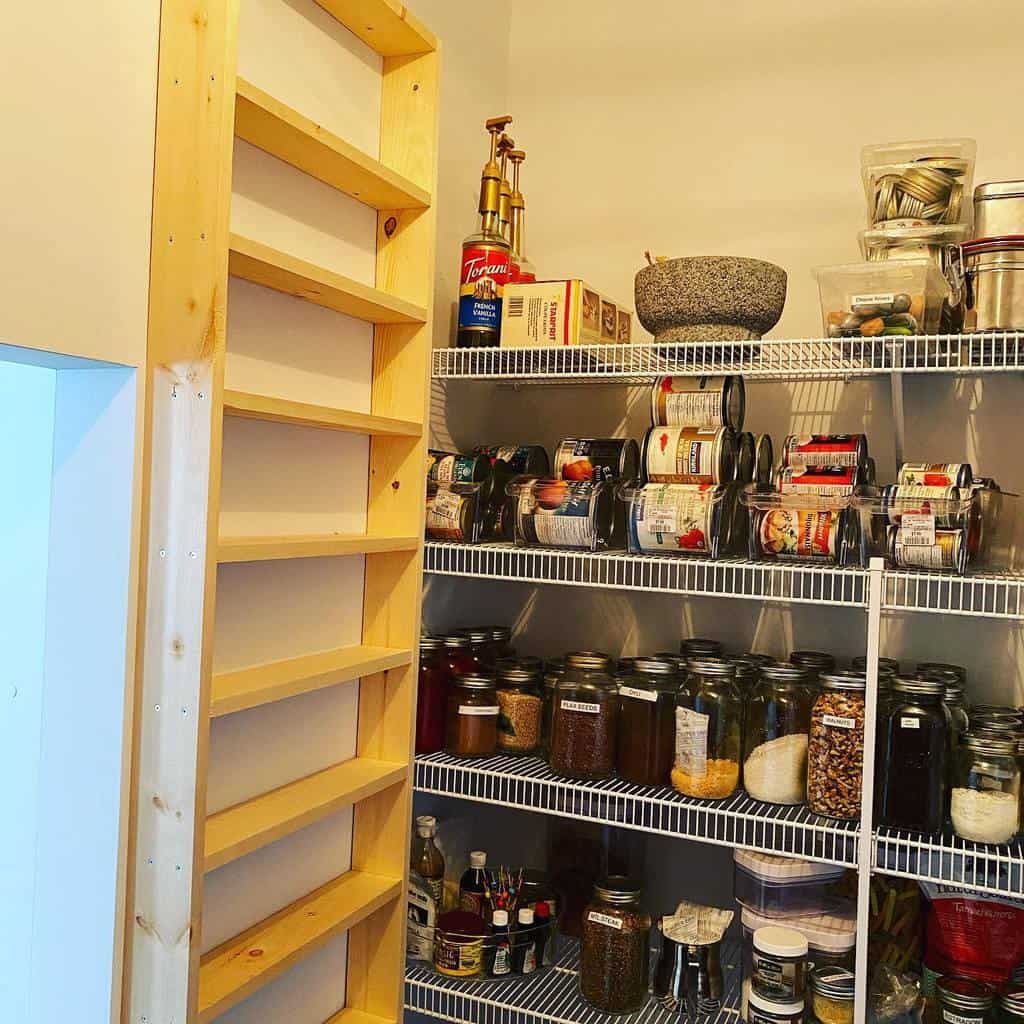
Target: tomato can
453	512
565	513
824	481
764	459
681	519
949	552
689	455
453	467
517	459
699	402
802	534
950	506
597	458
936	474
825	450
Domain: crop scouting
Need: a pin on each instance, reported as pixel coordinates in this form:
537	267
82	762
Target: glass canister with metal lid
481	649
647	701
585	721
457	655
471	720
964	1000
832	995
519	697
553	670
985	800
835	751
709	728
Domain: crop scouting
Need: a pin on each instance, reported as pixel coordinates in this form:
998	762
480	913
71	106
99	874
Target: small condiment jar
832	995
459	944
779	964
471	721
963	1000
765	1011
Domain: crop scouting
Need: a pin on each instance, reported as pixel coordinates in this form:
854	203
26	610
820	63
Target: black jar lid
699	646
474	681
843	681
785	672
456	641
510	672
918	686
430	644
819	660
618	889
964	993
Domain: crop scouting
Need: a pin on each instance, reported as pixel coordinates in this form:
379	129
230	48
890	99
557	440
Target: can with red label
689	455
824	481
802	534
597	458
825	450
950	506
949	552
936	474
484	274
698	402
681	519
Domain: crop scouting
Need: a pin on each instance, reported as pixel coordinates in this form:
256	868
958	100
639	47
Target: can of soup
935	474
948	504
824	450
681	519
698	402
799	534
516	459
823	481
452	512
597	458
453	467
564	513
949	552
689	455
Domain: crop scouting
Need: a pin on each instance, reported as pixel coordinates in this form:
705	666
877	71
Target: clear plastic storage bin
781	887
831	938
566	514
800	527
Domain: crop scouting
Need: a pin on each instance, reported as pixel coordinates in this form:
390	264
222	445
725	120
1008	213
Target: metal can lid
712	667
990	742
786	672
925	687
472	681
964	993
843	681
999	190
618	889
833	982
654	667
590	660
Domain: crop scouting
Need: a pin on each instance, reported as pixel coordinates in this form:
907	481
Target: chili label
605	919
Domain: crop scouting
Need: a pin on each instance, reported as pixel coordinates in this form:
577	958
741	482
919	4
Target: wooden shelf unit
201	106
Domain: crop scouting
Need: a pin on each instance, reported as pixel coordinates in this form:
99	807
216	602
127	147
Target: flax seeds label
799	533
839	722
692	742
606	919
682	455
651	696
580	706
484	276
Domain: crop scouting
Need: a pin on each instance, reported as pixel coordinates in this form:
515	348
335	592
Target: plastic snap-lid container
779	963
831	938
767	1011
781	887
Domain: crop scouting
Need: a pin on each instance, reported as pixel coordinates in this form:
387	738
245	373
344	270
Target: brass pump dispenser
505	146
521	268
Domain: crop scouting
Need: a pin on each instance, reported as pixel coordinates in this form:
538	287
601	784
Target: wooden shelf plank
349	1015
247	405
249	826
264	265
263	549
243	965
290	136
386	26
277	680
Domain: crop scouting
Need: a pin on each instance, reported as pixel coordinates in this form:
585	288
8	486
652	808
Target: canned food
564	513
453	467
745	456
597	458
453	512
681	519
949	552
764	459
816	535
948	504
936	474
824	481
825	450
514	460
698	402
689	455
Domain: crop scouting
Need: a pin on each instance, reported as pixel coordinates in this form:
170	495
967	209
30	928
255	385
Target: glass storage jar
699	647
554	669
585	719
471	722
832	995
835	761
912	768
817	662
985	801
480	649
614	947
457	655
709	726
647	703
501	642
777	723
432	694
520	702
963	1000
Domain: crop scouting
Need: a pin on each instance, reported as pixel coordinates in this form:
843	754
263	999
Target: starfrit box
542	314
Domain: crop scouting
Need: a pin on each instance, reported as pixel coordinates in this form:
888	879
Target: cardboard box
544	314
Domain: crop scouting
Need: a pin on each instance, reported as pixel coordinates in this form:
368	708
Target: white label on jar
910	723
839	721
918	529
632	691
692	742
694	409
872	299
584	707
956	1018
472	709
606	919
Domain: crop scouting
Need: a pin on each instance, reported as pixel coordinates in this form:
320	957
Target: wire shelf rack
989	595
739	821
951	860
774	358
550	996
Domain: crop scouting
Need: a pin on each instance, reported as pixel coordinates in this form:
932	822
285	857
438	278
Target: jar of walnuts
835	751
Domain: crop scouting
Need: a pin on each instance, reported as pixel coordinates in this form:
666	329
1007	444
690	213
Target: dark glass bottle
498	947
475	885
524	943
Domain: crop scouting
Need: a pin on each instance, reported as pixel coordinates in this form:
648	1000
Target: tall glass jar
520	702
985	802
480	648
709	731
585	721
647	704
835	751
778	724
471	721
614	947
554	669
818	662
432	693
911	769
501	642
457	656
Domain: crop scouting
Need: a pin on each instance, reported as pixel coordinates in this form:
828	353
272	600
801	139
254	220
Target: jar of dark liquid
647	703
481	649
456	655
501	642
471	721
431	697
912	769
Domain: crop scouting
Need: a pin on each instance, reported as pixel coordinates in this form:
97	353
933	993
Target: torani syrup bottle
520	268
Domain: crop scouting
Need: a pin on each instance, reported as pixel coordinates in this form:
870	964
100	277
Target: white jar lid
785	869
778	941
778	1009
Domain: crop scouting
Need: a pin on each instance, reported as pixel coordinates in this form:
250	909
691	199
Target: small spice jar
779	964
963	1000
554	669
832	995
835	751
647	703
459	944
709	727
520	702
766	1011
614	947
1011	1004
432	694
471	722
585	721
985	800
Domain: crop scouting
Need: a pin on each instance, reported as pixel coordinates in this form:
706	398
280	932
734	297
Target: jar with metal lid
889	666
954	702
817	661
835	751
480	647
963	1000
832	995
553	670
431	697
777	726
925	667
519	697
457	655
998	209
709	731
647	702
585	720
985	801
471	722
748	671
1011	1003
501	642
911	771
614	947
700	647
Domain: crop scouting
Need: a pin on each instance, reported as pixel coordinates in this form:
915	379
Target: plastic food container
766	1011
928	181
831	938
684	519
783	887
454	512
794	527
566	514
779	963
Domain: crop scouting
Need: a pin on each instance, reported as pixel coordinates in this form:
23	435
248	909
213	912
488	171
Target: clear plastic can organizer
796	527
582	515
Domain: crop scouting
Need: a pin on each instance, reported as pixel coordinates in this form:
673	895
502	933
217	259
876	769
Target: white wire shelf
739	821
951	860
774	358
548	997
988	595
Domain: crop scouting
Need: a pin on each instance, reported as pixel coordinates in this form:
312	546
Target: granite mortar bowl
710	298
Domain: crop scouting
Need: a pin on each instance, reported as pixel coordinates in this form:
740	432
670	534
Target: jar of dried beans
709	731
520	702
585	720
835	754
471	721
431	697
647	702
614	947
